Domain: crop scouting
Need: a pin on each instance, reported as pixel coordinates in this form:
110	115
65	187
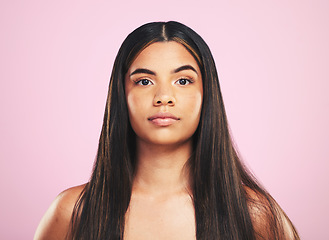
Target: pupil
144	81
182	81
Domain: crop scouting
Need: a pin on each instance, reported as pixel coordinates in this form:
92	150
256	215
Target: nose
164	96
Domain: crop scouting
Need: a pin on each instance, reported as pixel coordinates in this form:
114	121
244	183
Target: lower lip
163	122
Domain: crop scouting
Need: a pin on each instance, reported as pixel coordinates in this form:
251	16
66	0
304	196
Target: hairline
174	39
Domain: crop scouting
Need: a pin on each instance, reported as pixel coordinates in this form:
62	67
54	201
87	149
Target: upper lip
163	115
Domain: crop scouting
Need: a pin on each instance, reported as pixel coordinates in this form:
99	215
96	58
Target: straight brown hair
227	198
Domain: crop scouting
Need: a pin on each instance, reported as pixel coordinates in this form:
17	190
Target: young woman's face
164	94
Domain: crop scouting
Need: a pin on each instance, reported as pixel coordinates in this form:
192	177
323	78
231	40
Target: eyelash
189	81
139	82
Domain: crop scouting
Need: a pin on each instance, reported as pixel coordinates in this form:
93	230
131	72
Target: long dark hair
228	201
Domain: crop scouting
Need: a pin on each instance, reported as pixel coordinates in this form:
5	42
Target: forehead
166	55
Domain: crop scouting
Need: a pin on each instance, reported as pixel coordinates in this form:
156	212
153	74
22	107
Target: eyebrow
185	67
143	70
147	71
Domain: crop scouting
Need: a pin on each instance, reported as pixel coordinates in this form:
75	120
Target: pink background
56	58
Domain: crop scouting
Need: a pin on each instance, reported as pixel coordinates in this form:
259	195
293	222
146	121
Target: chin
166	135
164	140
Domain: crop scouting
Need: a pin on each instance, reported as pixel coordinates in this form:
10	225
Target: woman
166	166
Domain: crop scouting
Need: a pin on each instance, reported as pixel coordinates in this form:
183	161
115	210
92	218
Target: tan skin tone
161	206
164	78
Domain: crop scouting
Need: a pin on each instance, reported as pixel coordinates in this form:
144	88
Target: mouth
163	119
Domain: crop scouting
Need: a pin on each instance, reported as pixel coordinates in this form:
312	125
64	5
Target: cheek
193	105
136	107
131	102
133	106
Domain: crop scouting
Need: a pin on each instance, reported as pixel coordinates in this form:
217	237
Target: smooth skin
164	78
55	223
168	80
161	206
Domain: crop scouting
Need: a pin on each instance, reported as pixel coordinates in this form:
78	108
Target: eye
144	82
184	81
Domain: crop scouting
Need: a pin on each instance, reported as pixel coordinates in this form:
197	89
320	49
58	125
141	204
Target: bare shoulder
266	214
55	223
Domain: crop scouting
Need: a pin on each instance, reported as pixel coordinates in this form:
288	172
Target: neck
162	169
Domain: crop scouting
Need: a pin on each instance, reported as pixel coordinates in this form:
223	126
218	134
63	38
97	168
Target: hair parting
229	203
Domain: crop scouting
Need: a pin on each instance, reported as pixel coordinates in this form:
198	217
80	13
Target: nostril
158	102
170	102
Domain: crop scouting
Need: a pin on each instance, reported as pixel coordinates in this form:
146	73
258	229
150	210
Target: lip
163	119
